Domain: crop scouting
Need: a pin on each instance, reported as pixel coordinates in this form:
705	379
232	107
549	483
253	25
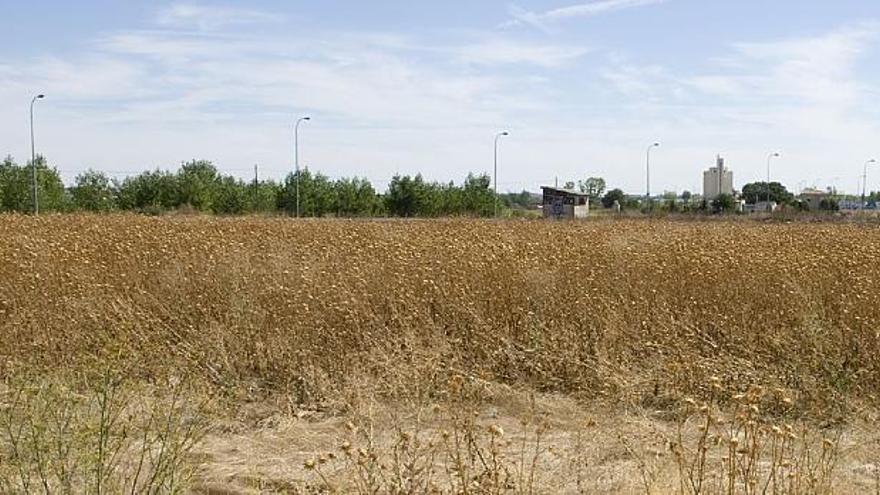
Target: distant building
565	203
717	180
814	197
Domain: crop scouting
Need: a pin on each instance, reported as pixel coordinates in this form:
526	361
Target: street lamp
495	172
648	172
865	180
770	157
296	157
34	154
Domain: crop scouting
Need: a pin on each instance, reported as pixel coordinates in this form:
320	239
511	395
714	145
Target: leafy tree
594	187
412	196
354	197
612	196
149	190
317	195
93	191
522	200
407	196
478	198
569	185
286	195
52	194
829	204
800	205
198	184
16	187
759	191
262	196
723	203
686	196
230	197
442	200
316	198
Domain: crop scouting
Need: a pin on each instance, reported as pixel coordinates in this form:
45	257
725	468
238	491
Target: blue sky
406	87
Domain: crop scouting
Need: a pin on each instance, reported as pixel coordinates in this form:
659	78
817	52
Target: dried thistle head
496	430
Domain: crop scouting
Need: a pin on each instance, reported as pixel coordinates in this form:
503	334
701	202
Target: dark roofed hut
565	203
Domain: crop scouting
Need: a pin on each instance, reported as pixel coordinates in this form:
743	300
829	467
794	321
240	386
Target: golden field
451	356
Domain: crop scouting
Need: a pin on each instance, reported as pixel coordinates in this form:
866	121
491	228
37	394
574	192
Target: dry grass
634	317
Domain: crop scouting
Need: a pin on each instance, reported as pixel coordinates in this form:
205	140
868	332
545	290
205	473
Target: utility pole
296	157
495	173
34	155
770	157
865	180
648	173
256	188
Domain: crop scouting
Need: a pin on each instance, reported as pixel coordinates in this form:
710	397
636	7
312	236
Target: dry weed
636	315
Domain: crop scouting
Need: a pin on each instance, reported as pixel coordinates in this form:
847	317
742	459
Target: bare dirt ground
580	449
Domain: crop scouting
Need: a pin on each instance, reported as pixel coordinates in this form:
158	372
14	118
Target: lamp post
770	157
648	172
865	180
296	157
495	171
34	155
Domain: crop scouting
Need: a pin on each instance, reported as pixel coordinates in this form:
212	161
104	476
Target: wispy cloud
804	90
542	20
819	70
503	51
208	18
387	97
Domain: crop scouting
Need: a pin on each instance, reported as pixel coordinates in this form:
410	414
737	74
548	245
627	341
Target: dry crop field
260	355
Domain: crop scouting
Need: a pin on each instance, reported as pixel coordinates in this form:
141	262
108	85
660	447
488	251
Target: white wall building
717	180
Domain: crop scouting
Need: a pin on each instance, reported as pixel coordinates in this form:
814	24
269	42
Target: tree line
198	186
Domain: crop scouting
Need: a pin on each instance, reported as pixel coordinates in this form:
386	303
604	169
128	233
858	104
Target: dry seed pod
496	430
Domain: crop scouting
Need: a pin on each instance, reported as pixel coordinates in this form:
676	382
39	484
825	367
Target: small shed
565	203
814	197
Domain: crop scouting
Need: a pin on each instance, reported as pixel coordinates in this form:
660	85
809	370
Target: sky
394	86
